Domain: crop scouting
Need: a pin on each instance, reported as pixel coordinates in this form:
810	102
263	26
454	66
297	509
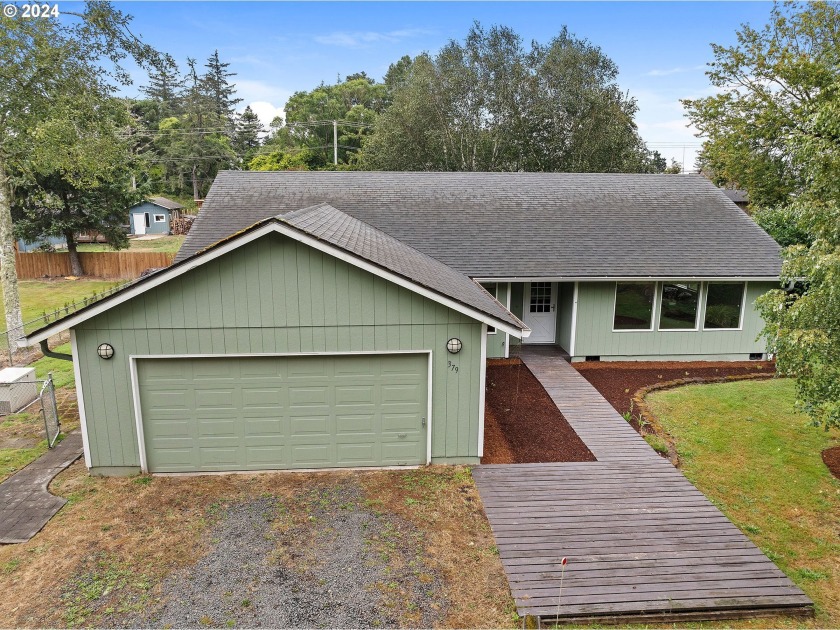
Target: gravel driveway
321	560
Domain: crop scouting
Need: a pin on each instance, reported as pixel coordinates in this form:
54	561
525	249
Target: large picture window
634	305
724	301
679	306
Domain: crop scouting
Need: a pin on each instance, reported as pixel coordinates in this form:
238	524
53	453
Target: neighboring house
316	320
738	197
153	216
55	242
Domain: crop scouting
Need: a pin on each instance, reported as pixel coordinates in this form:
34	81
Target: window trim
700	307
162	218
740	312
653	317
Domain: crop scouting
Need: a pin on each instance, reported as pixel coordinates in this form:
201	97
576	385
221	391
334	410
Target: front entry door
539	309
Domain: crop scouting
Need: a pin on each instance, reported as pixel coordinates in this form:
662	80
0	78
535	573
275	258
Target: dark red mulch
831	457
619	380
522	424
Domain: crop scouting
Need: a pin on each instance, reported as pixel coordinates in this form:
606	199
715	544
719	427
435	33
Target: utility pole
335	142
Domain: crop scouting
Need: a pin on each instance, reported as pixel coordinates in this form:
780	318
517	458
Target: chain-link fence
12	355
49	411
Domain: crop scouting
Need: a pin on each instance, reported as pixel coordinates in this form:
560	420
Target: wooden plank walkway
642	542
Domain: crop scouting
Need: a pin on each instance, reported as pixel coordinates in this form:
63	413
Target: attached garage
310	340
270	412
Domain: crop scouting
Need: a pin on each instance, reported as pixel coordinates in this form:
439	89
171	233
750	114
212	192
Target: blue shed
153	216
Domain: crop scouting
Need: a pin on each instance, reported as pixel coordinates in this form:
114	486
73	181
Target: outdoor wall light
454	345
105	351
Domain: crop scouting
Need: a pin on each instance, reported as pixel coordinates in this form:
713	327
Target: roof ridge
292	214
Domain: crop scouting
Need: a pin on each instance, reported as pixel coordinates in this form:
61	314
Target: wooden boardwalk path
642	542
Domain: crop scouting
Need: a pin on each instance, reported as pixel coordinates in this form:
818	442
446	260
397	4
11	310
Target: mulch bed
522	425
618	381
831	457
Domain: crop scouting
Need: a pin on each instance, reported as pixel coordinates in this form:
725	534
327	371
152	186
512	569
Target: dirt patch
522	424
112	554
831	457
618	381
314	561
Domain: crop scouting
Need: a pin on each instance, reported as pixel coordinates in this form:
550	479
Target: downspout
45	350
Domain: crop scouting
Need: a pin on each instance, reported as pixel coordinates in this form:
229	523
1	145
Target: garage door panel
308	396
312	455
268	427
267	456
219	457
362	454
396	422
346	395
357	423
399	453
309	425
258	413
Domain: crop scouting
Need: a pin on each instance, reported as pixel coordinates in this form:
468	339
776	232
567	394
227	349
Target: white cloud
266	111
255	90
361	39
664	72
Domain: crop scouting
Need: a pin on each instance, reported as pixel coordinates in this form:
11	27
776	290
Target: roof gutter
45	350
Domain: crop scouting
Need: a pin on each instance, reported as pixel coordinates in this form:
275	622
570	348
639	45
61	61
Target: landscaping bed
831	457
618	381
522	424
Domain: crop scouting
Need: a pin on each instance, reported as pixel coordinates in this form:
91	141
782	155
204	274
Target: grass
62	371
39	296
169	244
743	445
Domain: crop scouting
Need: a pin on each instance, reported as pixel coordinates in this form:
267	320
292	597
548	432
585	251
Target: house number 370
453	367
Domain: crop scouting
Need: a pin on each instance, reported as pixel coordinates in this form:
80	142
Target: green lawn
37	296
169	244
743	445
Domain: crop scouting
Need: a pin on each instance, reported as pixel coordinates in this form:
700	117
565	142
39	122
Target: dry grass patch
107	552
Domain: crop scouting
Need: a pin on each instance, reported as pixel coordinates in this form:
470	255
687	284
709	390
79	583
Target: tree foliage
775	130
490	104
58	115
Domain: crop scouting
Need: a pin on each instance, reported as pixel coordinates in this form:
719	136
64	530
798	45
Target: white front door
139	223
539	311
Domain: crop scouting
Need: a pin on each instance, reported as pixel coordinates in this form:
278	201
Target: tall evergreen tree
165	88
249	132
218	89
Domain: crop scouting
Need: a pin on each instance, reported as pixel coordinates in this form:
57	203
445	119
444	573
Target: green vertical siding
496	341
276	296
565	312
517	296
595	336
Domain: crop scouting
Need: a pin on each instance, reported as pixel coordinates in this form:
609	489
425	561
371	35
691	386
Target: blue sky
277	48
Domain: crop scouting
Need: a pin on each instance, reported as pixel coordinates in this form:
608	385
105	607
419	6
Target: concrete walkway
643	544
25	503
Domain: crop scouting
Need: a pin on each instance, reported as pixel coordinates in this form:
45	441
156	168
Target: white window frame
653	316
696	314
162	218
740	313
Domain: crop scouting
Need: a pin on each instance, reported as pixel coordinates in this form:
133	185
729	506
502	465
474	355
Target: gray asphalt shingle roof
508	225
163	202
340	229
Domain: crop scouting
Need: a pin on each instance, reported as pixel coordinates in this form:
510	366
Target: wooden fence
126	265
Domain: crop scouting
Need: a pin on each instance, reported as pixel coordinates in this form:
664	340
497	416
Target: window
492	289
160	218
146	218
678	310
540	297
724	302
634	305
